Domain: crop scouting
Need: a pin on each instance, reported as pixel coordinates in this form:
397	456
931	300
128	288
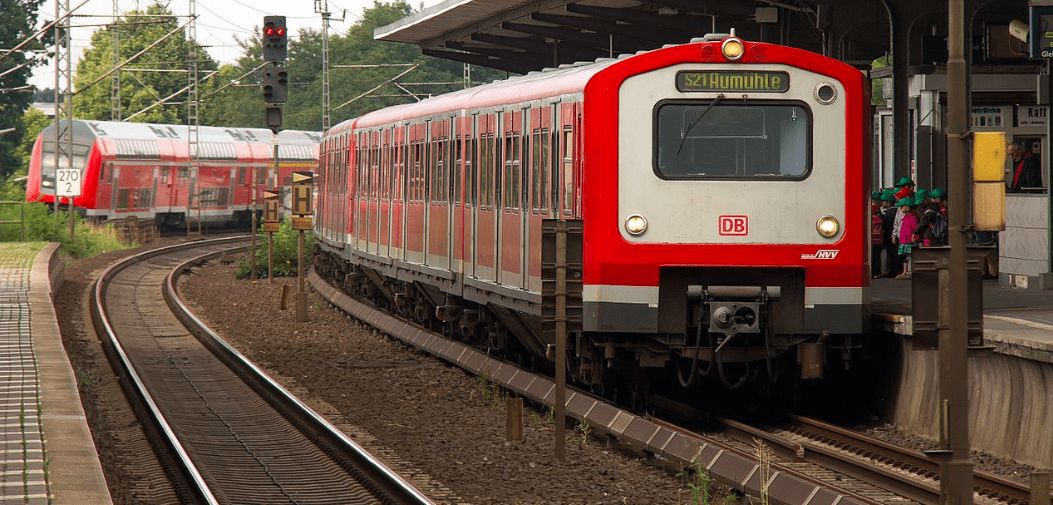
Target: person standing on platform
1027	173
877	235
905	234
888	220
931	230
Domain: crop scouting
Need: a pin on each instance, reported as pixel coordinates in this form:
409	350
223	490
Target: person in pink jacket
906	234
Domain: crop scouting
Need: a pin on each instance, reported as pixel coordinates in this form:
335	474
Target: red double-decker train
713	195
142	170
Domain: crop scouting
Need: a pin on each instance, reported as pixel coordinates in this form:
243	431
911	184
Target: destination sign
751	81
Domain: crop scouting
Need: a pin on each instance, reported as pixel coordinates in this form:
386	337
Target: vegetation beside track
285	252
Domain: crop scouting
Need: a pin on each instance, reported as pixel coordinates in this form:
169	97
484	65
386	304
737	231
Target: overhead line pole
192	122
51	25
115	80
322	7
63	104
956	469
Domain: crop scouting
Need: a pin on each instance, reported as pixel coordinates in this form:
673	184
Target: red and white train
141	170
714	194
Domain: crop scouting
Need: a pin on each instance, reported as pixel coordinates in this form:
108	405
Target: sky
218	22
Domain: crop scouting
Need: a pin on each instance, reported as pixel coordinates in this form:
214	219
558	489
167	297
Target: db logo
734	225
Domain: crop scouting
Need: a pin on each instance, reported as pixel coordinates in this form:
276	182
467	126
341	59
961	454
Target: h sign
734	226
302	200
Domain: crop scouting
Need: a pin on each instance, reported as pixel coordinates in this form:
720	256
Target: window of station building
732	140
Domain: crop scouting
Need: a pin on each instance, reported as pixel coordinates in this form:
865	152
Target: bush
45	226
285	252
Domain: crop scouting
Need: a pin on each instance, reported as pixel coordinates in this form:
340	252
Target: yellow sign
989	156
270	194
302	177
302	200
270	211
758	81
302	223
270	227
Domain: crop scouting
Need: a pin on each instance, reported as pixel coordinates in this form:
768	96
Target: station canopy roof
520	36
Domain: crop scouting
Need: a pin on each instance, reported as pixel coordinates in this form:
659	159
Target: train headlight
635	225
828	226
732	48
46	184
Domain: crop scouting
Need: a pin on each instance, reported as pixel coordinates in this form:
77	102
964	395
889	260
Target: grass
43	225
285	253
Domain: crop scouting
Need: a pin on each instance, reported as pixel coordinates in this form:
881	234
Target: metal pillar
901	126
115	79
192	111
63	100
560	399
322	7
956	470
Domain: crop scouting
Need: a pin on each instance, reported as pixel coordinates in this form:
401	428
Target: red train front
714	192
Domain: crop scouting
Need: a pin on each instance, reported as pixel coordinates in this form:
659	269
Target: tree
139	89
243	105
17	21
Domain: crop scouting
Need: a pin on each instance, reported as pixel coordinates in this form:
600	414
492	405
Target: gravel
435	423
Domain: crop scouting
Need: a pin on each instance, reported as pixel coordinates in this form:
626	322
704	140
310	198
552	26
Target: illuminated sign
756	81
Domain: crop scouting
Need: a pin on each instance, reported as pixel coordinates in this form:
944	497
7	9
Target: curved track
232	433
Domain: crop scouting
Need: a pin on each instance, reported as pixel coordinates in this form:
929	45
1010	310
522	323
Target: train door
470	194
398	195
438	195
486	210
453	203
510	229
541	162
415	195
373	183
384	221
115	178
362	193
569	124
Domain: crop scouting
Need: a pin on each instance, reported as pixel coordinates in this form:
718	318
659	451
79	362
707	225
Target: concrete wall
1009	403
1023	247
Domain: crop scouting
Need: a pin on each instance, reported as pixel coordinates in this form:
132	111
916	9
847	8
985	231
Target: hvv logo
821	254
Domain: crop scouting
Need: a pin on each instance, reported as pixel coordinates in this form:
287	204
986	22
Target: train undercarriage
726	341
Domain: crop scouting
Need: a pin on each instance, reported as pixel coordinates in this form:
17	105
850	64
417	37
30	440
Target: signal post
270	225
302	210
274	83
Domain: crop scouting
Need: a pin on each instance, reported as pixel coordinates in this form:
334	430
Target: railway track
227	432
906	472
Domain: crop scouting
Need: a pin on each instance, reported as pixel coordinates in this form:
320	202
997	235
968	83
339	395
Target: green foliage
877	97
699	484
44	226
18	19
285	252
138	89
241	105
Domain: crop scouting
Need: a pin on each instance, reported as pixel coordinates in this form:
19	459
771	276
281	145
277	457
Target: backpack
877	235
938	227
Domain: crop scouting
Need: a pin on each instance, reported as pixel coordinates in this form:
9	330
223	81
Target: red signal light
281	31
268	31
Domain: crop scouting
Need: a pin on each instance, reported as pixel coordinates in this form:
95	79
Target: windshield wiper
694	123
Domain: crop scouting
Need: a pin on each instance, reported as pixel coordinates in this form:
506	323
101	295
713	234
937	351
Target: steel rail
135	386
727	465
987	484
191	478
391	483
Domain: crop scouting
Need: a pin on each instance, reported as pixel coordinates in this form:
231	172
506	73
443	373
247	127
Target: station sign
67	182
270	211
1041	37
302	200
747	81
1032	115
302	223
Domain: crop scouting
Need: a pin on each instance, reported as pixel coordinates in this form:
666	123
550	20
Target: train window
457	167
546	138
535	171
512	174
732	140
568	170
472	175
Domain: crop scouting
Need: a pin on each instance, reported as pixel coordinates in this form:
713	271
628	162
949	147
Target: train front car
736	243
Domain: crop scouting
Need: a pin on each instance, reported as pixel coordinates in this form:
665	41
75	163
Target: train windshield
47	162
732	140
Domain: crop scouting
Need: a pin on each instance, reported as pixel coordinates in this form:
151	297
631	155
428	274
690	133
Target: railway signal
275	83
270	225
275	39
302	209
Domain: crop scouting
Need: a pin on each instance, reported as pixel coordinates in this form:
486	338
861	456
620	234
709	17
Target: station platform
47	455
1017	322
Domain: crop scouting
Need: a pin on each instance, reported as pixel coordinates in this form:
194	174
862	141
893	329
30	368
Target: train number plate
734	226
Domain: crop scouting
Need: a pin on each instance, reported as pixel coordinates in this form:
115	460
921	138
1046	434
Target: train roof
144	140
568	79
